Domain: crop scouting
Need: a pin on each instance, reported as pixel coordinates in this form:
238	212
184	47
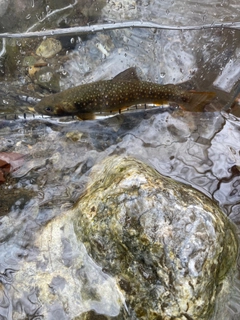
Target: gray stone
154	249
49	48
46	77
170	248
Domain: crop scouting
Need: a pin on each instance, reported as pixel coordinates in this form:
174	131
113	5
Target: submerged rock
46	77
49	48
56	278
159	250
169	247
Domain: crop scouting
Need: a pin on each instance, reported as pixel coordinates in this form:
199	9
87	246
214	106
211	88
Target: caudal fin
197	101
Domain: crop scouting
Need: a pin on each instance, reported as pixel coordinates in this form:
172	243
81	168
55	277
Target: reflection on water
199	149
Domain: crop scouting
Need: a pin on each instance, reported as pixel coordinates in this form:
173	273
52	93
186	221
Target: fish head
52	106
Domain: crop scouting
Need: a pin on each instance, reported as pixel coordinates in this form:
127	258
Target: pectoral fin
93	116
86	116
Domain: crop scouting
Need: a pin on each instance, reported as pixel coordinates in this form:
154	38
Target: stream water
199	149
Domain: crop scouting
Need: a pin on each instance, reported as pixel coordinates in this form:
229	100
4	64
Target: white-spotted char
120	93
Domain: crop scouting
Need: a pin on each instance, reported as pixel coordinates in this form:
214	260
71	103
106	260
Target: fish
118	94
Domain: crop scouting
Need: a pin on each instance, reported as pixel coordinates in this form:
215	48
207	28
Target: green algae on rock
62	279
169	247
47	78
49	48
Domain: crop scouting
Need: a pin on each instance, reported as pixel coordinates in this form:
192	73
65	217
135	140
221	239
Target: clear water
199	149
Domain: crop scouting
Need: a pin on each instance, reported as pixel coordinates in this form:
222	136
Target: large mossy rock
170	248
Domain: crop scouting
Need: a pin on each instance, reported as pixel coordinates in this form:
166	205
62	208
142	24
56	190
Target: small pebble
49	48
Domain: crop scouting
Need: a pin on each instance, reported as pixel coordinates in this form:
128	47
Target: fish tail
196	101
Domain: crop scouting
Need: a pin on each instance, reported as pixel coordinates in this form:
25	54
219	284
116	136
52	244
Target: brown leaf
9	161
15	160
4	170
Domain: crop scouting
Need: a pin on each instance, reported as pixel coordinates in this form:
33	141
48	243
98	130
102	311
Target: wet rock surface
49	48
136	245
60	278
168	246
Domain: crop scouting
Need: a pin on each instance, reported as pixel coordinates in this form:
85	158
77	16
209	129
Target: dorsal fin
127	75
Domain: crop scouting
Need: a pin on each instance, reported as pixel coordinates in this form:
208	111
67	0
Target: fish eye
49	109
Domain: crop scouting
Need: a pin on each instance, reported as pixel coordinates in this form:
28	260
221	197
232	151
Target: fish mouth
40	109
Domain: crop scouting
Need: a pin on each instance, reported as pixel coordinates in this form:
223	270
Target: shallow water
60	156
199	149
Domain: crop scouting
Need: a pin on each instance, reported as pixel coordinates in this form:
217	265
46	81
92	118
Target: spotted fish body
116	95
